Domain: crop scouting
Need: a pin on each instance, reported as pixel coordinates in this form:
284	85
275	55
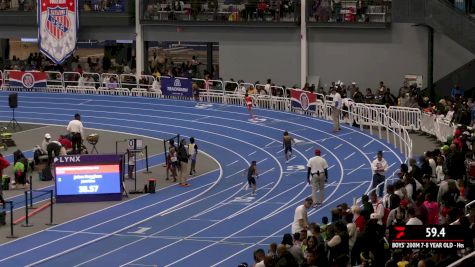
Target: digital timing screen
88	179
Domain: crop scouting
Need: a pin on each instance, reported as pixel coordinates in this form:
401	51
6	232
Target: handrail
454	264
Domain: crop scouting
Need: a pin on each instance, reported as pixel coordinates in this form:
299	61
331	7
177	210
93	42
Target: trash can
151	185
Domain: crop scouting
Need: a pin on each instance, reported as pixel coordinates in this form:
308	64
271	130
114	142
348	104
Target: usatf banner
27	79
176	86
58	24
303	100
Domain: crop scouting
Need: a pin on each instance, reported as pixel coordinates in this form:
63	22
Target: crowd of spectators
84	5
349	11
227	10
435	190
267	10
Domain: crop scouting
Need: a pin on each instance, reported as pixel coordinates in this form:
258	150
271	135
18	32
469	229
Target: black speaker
13	100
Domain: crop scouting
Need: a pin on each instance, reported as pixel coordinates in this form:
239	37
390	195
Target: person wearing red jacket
65	142
3	165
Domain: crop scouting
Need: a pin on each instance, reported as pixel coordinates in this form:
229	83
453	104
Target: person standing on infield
379	167
317	175
336	110
77	133
287	145
251	176
300	216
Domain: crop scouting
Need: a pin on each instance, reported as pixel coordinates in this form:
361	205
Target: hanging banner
303	100
27	79
58	24
176	86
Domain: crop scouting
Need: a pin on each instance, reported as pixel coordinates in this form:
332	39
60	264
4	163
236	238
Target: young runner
287	145
251	176
248	100
193	152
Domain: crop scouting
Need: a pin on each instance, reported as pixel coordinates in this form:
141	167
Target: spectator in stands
367	207
369	97
378	207
284	257
413	220
112	83
391	200
456	92
339	244
398	216
296	249
259	256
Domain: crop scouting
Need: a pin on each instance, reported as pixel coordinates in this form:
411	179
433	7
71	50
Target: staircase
440	15
446	19
463	76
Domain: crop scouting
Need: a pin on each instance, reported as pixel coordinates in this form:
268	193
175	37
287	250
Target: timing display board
88	178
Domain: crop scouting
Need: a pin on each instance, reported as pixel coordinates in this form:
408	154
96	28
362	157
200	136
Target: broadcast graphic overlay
427	237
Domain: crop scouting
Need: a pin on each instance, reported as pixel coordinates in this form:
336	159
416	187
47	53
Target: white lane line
292	158
270	143
355	169
347	157
252	153
331	166
202	118
308	149
280	151
231	175
267	171
369	143
391	165
85	102
338	146
207	220
236	161
261	161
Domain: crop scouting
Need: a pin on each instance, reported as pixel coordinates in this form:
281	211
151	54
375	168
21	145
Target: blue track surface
215	222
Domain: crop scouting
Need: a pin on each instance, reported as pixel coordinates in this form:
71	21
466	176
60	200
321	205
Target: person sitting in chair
41	150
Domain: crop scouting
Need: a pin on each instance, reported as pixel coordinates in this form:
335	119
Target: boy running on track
287	145
193	152
248	100
251	176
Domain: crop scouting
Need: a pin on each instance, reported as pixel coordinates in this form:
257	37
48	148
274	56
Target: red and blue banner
27	79
58	24
303	100
176	86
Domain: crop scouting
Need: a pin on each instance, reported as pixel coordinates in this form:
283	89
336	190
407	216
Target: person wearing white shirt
268	86
317	175
300	217
432	163
81	81
76	130
378	207
379	167
413	220
336	110
259	256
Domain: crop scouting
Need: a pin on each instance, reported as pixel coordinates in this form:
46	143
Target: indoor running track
215	222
